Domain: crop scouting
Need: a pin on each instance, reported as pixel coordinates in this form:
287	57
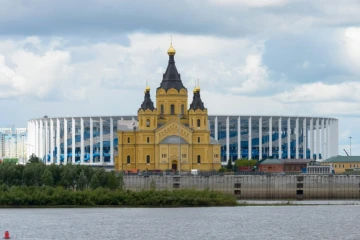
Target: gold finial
171	51
147	89
198	86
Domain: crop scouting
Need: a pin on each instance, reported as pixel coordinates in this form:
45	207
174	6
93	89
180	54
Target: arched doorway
174	165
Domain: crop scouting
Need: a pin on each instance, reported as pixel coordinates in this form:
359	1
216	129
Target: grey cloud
109	17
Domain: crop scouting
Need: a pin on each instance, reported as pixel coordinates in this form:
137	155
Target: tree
82	181
34	159
94	183
47	178
229	165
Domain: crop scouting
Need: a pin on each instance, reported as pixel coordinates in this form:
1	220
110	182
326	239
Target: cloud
249	3
320	92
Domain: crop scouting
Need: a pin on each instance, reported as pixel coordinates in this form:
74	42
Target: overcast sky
263	57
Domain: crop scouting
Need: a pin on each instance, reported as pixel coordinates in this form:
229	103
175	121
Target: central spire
171	78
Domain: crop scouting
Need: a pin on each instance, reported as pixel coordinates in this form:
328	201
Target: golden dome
197	88
171	51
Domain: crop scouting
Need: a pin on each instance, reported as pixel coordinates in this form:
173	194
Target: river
252	222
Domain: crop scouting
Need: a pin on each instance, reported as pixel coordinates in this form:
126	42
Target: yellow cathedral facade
170	136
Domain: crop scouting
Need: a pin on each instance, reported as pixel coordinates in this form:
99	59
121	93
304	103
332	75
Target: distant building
342	164
271	165
13	142
295	165
317	168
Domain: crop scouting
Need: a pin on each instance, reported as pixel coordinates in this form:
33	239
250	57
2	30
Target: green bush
51	196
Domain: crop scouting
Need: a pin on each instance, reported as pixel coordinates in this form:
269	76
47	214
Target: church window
198	139
184	155
147	123
182	109
162	109
128	159
148	139
148	159
128	140
198	122
198	159
172	109
216	155
204	122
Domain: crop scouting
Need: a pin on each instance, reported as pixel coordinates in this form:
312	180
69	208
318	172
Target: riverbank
60	197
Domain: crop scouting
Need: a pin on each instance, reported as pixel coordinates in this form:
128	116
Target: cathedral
170	136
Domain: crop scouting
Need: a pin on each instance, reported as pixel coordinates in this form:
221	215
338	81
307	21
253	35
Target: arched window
162	109
147	123
148	139
182	109
198	139
128	140
198	122
204	122
172	109
198	159
147	158
128	159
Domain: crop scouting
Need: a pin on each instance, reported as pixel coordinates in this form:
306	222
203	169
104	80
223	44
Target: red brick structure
271	165
295	165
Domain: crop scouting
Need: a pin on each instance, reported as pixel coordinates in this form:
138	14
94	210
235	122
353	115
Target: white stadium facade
94	140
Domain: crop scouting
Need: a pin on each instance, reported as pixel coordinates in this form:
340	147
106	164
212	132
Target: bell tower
198	115
147	112
171	96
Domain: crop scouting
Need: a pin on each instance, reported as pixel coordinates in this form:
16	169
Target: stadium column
111	141
65	140
216	128
260	138
317	139
270	137
312	138
304	132
101	141
249	140
297	139
73	140
335	147
239	137
323	144
288	131
328	135
280	139
91	140
227	139
337	137
41	141
51	141
46	139
58	150
37	138
82	152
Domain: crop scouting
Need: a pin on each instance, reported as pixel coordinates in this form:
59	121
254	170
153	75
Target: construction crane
346	152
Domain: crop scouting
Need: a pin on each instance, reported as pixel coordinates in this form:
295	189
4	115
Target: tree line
74	177
59	196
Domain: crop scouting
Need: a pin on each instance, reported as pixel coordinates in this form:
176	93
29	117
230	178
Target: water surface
253	222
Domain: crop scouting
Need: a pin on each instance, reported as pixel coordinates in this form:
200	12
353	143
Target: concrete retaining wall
257	187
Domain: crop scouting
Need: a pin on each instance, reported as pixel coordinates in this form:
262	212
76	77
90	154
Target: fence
257	187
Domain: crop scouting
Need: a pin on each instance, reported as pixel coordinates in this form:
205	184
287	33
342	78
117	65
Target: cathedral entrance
174	165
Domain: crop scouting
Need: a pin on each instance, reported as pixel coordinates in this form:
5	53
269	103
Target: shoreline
249	203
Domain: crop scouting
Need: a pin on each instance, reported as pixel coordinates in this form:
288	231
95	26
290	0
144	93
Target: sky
264	57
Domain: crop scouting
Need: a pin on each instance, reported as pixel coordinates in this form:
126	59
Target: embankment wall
259	187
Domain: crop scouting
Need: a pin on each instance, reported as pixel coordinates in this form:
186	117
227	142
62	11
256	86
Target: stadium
94	140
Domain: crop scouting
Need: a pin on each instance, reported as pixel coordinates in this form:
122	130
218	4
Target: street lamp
350	145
